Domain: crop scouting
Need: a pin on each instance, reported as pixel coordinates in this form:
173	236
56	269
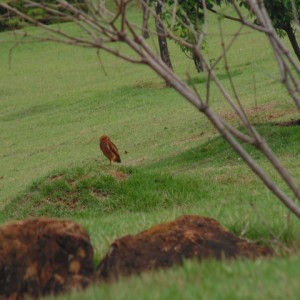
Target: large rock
168	244
40	256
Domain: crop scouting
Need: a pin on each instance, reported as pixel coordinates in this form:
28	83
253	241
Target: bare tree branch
102	29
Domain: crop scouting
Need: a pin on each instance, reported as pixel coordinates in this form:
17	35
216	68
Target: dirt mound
168	244
40	256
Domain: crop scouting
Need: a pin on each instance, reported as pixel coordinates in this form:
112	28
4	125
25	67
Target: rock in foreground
168	244
40	256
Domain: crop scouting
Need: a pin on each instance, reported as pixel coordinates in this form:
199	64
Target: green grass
208	280
55	102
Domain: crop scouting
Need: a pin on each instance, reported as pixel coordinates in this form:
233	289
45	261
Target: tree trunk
198	63
290	32
146	13
162	40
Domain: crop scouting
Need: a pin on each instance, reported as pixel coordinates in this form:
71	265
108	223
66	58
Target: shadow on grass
201	78
28	112
217	152
88	191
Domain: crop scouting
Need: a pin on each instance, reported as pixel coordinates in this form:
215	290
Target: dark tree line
11	21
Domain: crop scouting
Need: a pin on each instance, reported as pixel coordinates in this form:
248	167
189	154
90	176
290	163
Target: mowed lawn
55	102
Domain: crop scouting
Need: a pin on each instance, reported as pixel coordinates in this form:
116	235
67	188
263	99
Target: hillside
55	102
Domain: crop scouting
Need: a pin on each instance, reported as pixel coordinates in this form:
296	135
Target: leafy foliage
281	12
183	16
190	14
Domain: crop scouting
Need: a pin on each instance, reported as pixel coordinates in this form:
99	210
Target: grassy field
55	102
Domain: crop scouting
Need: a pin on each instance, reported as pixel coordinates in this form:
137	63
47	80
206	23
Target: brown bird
109	149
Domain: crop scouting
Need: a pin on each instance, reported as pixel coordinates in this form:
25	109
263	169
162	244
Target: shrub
9	21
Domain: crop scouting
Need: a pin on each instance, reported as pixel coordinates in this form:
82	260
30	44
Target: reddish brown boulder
168	244
40	256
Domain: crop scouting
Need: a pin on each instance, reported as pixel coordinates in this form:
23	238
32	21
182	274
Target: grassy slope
56	101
